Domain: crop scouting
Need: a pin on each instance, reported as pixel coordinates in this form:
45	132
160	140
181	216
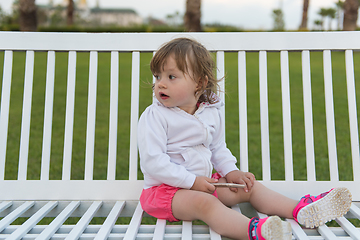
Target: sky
246	14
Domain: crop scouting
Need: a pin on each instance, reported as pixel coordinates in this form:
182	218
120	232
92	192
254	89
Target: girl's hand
241	177
203	184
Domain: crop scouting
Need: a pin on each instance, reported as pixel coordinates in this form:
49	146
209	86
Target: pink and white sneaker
270	228
316	211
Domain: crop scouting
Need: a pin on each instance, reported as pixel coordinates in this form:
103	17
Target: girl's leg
261	198
191	205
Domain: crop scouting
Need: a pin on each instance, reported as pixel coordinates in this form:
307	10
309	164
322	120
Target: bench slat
134	223
69	116
264	116
355	210
113	118
286	112
91	117
135	77
153	81
110	221
308	117
26	115
214	235
330	116
349	228
297	231
70	190
48	116
5	205
220	74
262	215
84	221
236	208
6	221
224	41
159	231
31	222
50	230
326	233
353	122
243	127
186	230
5	106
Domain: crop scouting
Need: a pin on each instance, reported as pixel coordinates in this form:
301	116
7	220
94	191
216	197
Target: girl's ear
201	86
202	83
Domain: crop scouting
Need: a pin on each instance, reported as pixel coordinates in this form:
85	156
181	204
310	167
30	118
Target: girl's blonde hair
190	55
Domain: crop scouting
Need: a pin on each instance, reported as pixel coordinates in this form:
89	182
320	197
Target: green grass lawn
232	122
297	114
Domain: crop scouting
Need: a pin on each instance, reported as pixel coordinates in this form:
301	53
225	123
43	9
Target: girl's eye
157	77
171	77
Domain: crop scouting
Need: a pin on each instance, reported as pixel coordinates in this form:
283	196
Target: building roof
113	10
93	10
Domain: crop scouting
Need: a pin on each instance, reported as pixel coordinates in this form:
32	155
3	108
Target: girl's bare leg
191	205
261	198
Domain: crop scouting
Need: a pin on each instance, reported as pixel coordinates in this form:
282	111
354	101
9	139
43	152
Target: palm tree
331	13
318	24
323	13
192	18
28	19
279	23
350	14
303	25
174	19
70	13
339	12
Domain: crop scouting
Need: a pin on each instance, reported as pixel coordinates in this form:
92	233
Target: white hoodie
175	146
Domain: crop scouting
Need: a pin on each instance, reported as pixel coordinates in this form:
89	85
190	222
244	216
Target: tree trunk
70	13
350	14
28	19
192	16
303	25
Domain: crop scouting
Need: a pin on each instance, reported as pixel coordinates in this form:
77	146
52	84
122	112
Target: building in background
52	14
113	16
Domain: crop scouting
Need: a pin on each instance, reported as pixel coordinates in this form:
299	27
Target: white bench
39	200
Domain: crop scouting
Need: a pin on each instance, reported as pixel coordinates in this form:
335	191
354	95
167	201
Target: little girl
181	139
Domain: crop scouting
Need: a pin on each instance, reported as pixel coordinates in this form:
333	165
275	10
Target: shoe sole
334	205
275	229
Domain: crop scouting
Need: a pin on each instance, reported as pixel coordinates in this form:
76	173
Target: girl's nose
161	83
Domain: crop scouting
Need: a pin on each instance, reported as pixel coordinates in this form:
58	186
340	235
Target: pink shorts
156	201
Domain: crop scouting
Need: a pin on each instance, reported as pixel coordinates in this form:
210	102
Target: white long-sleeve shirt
175	146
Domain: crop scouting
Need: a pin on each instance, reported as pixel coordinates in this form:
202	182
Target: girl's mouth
163	96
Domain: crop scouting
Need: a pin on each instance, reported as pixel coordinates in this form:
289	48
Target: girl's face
173	88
